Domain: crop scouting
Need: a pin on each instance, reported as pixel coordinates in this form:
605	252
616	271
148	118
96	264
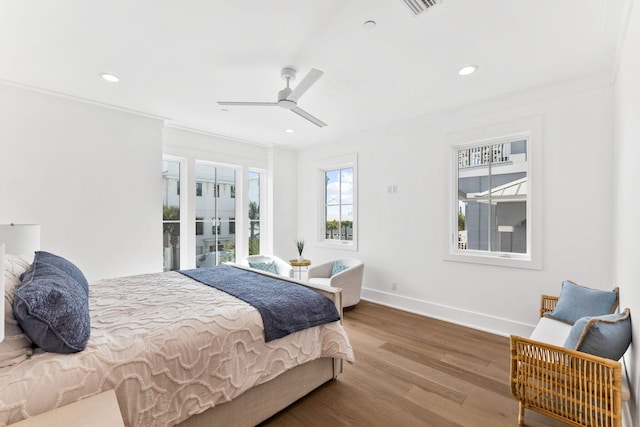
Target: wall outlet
394	286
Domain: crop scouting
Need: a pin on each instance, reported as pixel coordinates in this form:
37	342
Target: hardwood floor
412	370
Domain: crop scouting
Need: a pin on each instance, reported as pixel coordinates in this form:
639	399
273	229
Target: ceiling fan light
112	78
468	69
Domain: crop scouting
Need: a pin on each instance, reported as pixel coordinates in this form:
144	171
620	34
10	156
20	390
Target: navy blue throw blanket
284	306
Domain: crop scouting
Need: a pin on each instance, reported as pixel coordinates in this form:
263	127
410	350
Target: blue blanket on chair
285	307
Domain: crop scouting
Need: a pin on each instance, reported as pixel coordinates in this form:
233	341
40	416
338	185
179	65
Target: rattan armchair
574	387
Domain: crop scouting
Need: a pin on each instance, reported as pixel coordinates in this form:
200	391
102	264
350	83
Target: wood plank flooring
412	370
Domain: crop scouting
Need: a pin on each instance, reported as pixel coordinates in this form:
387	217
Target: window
338	217
492	217
253	211
171	215
216	226
210	226
492	197
212	246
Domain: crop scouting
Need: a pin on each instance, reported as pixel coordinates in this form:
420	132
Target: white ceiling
177	58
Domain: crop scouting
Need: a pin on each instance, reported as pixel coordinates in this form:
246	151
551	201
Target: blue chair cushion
264	266
604	336
337	268
577	301
53	309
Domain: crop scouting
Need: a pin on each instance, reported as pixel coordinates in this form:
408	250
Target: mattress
169	346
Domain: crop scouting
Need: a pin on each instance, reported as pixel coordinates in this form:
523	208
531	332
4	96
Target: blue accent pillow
605	336
269	267
337	268
577	301
53	309
57	261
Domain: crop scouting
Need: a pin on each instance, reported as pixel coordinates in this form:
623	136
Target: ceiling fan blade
305	84
249	104
299	111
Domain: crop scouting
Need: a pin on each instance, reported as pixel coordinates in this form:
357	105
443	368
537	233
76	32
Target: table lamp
16	239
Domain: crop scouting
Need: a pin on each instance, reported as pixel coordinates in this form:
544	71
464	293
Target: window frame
331	164
262	221
182	198
529	129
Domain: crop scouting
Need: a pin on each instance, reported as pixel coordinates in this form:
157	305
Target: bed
177	352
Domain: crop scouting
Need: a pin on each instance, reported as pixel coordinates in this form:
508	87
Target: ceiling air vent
418	7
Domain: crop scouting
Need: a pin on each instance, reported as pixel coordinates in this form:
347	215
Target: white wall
282	194
627	203
88	174
401	234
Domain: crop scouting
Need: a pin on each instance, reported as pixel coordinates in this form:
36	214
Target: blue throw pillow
57	261
605	336
269	267
577	301
53	309
337	268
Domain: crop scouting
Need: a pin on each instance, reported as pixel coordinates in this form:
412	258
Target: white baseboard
480	321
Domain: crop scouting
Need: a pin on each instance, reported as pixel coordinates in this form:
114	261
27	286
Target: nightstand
101	410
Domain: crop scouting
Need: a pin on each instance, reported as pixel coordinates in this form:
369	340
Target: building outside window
171	215
492	197
199	189
212	246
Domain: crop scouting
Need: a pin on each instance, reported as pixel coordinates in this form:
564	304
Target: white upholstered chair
283	268
350	280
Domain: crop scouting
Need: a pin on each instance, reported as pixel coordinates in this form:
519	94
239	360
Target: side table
298	265
100	410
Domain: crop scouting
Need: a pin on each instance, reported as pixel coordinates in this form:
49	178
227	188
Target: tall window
495	209
253	211
339	202
212	210
171	215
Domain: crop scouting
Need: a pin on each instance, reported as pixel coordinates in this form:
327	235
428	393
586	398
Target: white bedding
170	346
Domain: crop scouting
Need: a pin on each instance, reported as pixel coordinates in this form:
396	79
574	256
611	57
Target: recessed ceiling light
468	69
110	77
289	131
369	25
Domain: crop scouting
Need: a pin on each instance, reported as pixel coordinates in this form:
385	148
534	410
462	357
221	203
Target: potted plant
300	246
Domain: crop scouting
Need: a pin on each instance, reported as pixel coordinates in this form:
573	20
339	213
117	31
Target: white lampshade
20	239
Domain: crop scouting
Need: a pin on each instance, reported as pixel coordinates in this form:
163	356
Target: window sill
495	259
346	245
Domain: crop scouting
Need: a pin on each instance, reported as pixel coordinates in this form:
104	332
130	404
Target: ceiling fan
287	97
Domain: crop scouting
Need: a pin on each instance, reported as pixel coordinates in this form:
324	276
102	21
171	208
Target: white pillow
16	346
